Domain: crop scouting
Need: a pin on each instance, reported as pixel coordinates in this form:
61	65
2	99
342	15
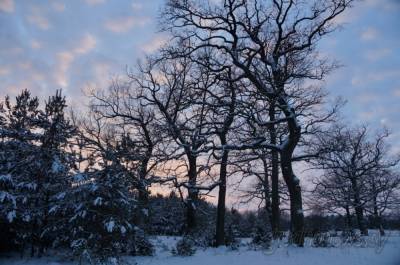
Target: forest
225	132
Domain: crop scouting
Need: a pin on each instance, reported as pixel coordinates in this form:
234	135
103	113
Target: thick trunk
220	229
275	212
192	195
360	220
220	226
358	207
296	204
292	182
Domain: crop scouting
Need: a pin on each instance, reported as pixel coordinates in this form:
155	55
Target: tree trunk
220	229
143	196
358	208
266	190
377	218
275	212
360	220
192	195
348	218
292	182
296	208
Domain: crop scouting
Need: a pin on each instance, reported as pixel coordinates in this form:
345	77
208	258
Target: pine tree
56	163
18	163
101	208
35	164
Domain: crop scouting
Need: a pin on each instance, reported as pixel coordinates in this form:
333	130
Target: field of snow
369	253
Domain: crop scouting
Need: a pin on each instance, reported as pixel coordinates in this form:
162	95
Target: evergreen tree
18	164
34	165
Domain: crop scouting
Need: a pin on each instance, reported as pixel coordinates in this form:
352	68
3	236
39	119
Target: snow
56	167
388	254
61	195
53	209
98	201
31	186
26	217
11	216
145	212
5	196
5	178
79	178
110	226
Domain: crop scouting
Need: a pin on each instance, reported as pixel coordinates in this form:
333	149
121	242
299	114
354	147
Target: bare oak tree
272	44
352	163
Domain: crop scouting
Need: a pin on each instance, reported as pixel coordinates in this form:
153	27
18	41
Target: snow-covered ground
372	253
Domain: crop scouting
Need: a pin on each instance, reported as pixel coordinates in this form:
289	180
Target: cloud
387	5
369	34
7	6
66	58
360	80
124	24
86	44
58	6
36	18
36	44
4	70
377	54
155	44
367	98
349	15
15	89
27	65
101	72
367	115
94	2
137	6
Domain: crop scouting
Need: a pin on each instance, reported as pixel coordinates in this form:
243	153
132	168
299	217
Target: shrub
184	247
321	240
231	238
262	235
142	246
350	236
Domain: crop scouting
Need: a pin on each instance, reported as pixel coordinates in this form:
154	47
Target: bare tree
270	44
332	194
175	90
383	191
121	105
351	162
223	109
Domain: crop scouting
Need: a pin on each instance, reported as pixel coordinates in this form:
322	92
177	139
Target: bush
350	236
142	246
262	237
262	234
321	240
184	247
231	238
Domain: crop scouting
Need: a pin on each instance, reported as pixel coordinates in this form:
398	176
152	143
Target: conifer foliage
52	195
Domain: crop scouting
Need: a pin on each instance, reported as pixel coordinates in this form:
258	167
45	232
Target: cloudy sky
75	44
